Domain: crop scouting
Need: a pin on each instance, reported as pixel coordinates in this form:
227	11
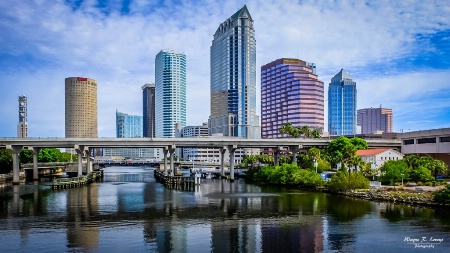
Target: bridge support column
88	161
222	160
276	156
231	149
80	150
165	151
35	151
295	150
172	157
16	166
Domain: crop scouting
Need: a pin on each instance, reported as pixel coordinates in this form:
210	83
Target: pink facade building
290	92
374	120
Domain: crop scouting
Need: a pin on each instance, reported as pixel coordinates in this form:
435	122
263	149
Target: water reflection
219	216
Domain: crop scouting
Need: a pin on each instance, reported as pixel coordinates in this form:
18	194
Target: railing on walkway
177	182
70	182
375	184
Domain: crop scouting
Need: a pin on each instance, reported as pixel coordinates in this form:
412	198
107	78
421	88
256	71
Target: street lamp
315	164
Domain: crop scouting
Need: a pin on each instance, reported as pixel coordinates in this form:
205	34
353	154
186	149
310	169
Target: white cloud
119	50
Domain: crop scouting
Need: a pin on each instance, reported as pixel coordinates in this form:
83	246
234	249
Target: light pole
315	164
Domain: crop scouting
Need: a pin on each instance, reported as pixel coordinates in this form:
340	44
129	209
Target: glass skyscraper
128	126
170	92
342	104
233	78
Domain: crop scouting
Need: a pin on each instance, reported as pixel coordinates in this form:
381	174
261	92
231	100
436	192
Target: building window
426	140
444	139
408	142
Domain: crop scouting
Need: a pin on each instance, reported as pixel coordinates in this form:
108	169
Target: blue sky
398	52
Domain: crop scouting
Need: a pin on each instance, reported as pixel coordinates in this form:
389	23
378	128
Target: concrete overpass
82	147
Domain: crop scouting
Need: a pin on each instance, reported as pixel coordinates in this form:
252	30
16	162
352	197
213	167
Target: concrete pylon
222	160
275	155
294	150
35	151
87	151
165	151
172	167
80	150
16	149
231	149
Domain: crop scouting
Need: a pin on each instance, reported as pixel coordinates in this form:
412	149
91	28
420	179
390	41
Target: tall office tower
81	107
342	104
170	92
290	92
128	126
148	92
374	120
22	126
233	78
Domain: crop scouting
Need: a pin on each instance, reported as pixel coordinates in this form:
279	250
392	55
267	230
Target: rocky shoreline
381	195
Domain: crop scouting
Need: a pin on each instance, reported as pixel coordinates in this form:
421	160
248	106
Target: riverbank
411	197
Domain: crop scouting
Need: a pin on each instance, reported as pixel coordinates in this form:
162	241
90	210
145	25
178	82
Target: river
129	212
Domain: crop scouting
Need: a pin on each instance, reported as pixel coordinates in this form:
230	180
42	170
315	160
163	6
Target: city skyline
401	50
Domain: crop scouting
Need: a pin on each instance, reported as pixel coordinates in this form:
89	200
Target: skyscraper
342	104
233	78
22	126
148	94
128	126
81	107
170	92
290	92
373	120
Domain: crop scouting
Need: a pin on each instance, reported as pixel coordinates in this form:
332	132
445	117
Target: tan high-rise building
81	107
374	120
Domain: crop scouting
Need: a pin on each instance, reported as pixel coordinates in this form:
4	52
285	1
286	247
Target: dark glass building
148	92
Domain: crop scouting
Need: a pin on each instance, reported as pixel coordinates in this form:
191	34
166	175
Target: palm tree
286	128
315	133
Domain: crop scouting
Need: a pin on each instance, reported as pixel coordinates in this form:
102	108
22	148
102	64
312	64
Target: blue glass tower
128	126
342	104
233	78
170	92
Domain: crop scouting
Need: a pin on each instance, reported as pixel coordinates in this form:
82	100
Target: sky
398	53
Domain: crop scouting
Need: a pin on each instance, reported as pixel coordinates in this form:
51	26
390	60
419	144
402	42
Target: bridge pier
35	151
80	150
231	149
275	156
222	160
16	149
295	150
88	161
172	157
165	151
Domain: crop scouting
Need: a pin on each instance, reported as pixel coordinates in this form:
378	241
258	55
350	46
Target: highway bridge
83	145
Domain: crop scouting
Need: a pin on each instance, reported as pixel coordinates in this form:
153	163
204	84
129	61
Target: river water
129	212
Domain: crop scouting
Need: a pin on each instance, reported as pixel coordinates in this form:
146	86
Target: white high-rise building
170	92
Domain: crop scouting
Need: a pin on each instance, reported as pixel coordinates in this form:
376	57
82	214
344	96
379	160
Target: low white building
379	156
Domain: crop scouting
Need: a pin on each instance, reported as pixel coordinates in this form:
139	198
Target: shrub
428	183
342	181
419	183
442	196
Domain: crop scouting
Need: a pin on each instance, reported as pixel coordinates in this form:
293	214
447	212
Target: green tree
420	174
359	143
5	160
438	167
26	156
442	196
368	171
393	171
49	155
